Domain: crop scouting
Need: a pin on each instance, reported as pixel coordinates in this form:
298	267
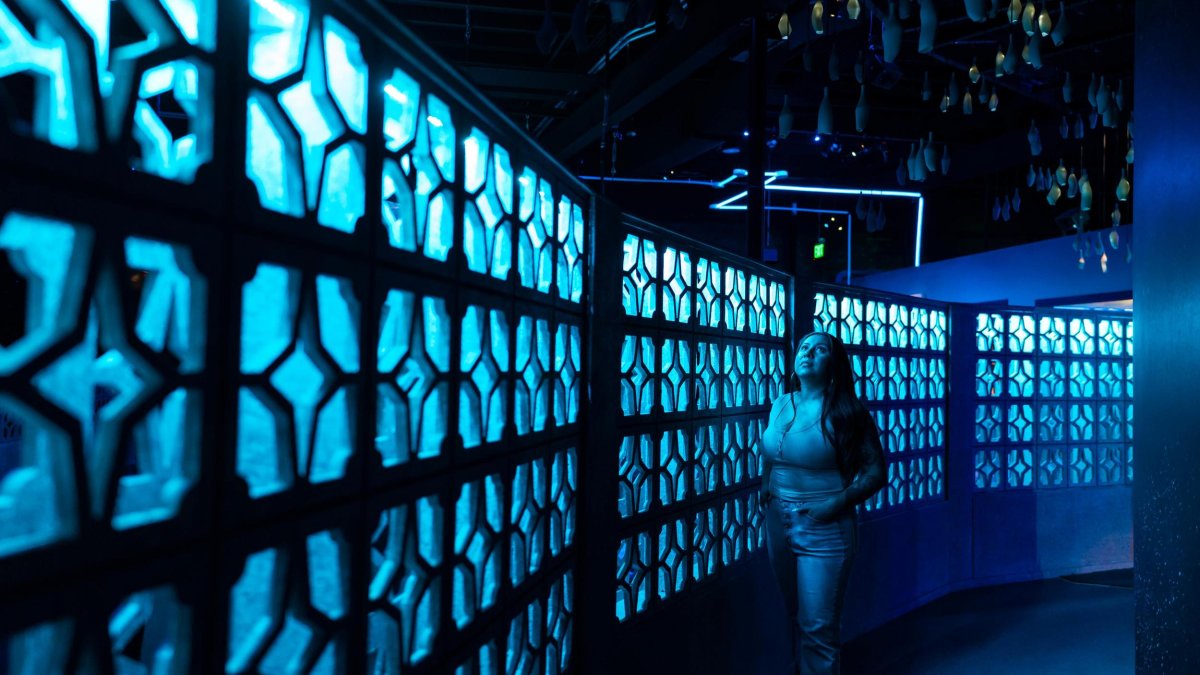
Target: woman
821	457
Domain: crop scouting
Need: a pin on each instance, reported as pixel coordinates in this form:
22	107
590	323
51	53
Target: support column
1166	292
756	124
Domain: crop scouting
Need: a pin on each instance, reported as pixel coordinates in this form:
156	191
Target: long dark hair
841	406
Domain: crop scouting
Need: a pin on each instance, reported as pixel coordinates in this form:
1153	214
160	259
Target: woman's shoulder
781	400
780	403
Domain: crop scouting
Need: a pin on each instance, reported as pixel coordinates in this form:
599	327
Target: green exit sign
818	251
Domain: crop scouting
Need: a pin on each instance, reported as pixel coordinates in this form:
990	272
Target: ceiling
677	83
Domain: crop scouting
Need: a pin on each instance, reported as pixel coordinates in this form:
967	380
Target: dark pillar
596	494
1166	291
756	125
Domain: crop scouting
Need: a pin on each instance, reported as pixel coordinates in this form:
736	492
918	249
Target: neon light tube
727	205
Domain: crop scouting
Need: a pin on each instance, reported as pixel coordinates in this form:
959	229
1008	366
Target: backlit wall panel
1053	399
898	349
704	343
285	298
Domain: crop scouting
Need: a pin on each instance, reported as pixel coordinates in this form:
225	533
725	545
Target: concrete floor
1066	626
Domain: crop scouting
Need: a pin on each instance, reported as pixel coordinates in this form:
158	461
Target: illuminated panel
305	151
288	607
449	425
130	73
116	365
300	355
704	352
898	355
639	272
487	214
1053	400
412	400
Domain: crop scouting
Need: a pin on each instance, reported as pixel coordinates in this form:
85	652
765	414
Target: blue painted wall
1022	275
980	538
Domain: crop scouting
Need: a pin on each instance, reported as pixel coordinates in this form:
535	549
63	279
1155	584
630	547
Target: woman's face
812	357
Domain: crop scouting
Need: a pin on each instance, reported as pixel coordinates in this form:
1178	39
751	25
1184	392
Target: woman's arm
872	475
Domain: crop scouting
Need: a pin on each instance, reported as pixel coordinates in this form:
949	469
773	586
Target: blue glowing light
730	205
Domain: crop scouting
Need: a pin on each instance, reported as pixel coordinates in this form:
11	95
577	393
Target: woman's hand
826	510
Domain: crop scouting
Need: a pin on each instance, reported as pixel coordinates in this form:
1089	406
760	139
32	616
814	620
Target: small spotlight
817	138
839	228
853	153
746	132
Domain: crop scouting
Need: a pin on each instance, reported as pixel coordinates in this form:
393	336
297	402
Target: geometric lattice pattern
506	528
136	74
703	354
1053	399
538	639
513	219
306	119
898	352
131	630
331	342
115	375
656	565
288	608
299	345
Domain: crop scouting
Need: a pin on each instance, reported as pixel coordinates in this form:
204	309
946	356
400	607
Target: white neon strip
920	226
743	207
849	250
728	204
845	191
659	181
742	173
828	191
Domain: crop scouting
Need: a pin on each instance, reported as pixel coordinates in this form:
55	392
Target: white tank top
808	462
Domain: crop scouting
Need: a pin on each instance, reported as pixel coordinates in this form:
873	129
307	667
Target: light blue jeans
812	562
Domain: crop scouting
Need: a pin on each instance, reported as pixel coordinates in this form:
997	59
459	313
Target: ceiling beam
506	8
525	78
460	27
711	30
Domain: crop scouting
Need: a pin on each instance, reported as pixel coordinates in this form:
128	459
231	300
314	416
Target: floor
1067	625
